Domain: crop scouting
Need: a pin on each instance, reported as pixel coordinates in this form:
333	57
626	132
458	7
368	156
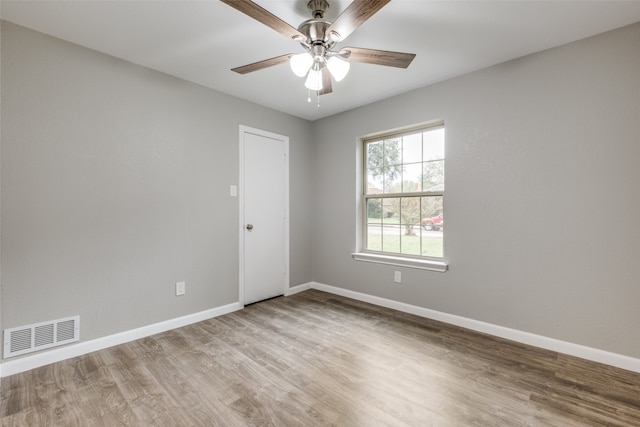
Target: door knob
249	227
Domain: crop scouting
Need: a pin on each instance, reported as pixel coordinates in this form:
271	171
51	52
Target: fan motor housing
315	30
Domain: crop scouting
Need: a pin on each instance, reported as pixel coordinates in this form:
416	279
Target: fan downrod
318	8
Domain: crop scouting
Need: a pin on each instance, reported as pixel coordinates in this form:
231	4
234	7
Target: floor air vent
40	336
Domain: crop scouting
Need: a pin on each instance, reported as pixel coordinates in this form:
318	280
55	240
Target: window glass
404	193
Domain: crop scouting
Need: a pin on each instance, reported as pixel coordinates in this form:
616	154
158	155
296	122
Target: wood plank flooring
316	359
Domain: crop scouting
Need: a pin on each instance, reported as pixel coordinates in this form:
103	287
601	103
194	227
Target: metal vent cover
40	336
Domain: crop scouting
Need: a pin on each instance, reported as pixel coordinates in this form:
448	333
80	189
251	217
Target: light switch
233	191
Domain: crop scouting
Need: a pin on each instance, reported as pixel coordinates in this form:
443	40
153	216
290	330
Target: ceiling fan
318	37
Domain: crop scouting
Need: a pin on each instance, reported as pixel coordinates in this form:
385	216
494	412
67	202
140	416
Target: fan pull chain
317	97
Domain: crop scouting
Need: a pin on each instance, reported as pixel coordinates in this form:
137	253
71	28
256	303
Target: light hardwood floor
316	359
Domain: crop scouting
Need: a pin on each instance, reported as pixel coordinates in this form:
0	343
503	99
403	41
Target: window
403	195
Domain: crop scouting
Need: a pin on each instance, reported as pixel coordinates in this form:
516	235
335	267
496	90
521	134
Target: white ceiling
200	41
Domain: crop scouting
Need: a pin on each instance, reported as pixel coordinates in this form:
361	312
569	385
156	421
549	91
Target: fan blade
262	64
379	57
260	14
326	82
353	16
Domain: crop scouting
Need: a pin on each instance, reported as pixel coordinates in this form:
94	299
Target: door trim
241	222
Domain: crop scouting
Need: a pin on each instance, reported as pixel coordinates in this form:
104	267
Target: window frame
394	258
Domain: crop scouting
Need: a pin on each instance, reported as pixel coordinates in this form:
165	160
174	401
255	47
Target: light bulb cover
314	80
301	63
338	68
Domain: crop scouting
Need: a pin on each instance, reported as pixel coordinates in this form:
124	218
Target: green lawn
410	245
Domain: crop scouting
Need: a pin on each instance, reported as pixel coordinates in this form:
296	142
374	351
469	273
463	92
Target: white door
264	211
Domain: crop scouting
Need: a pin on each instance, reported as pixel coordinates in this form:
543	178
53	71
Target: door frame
241	193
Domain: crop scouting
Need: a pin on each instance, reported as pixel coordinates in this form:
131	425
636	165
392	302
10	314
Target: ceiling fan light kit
318	37
338	68
314	78
301	63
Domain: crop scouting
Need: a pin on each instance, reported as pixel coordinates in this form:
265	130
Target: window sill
422	264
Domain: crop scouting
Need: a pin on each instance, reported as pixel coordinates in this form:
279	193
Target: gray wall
115	185
1	324
542	194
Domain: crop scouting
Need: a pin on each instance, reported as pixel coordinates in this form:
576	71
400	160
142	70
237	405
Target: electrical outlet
397	277
181	288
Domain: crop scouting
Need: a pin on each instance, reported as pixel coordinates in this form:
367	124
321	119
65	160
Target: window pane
374	237
433	144
410	244
412	178
433	175
432	244
374	158
410	221
410	213
432	208
391	238
374	167
392	167
432	226
391	225
374	184
393	179
374	211
412	148
392	152
391	210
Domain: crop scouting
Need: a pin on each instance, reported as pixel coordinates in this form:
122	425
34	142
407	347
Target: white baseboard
577	350
10	367
298	288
